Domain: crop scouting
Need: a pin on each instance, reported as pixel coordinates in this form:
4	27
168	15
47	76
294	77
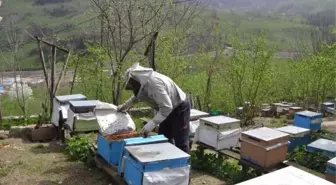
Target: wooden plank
110	170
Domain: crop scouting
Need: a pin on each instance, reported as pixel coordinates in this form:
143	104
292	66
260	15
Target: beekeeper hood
138	73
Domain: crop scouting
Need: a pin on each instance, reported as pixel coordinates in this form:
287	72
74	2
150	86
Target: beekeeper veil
136	77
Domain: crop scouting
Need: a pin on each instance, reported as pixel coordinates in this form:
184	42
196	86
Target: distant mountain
278	6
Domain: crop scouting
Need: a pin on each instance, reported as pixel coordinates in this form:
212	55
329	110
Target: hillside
292	7
68	19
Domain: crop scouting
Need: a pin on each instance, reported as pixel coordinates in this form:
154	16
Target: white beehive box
196	114
287	176
219	132
220	123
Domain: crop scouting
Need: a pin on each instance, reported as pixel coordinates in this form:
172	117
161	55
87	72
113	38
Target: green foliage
220	167
316	161
6	124
79	148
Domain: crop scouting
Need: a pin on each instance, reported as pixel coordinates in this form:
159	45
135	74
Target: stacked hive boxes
61	106
219	132
287	176
298	136
264	147
330	173
309	120
161	163
111	149
81	116
323	145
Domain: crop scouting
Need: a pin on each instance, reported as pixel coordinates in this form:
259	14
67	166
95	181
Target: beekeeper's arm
165	107
127	104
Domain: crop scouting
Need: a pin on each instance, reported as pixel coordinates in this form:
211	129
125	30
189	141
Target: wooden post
43	63
52	81
150	51
74	77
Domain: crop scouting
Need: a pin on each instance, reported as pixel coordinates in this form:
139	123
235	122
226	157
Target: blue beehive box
298	136
330	172
309	120
112	151
143	163
109	151
323	145
138	141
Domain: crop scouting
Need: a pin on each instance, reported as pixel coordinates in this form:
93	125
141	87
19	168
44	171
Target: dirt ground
46	164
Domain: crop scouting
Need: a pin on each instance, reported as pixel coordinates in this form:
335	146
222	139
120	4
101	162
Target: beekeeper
163	95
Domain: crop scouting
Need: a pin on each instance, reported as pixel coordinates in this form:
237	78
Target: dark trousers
176	127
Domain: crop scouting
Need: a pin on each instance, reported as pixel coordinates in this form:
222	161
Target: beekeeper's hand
149	127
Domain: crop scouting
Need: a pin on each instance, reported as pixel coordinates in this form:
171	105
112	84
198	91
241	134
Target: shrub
79	148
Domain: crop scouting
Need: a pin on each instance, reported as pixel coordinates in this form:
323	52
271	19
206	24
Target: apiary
264	146
219	132
287	176
61	105
330	173
159	163
298	136
323	145
309	120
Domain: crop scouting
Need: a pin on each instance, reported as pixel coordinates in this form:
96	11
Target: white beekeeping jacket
158	90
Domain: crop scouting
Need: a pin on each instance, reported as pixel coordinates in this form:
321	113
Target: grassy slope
292	7
27	14
282	30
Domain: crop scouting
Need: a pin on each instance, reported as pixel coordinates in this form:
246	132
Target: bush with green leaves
315	161
220	167
79	148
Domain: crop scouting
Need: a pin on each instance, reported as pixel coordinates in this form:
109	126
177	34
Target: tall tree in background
127	24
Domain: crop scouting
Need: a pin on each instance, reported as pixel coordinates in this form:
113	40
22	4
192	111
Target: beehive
330	173
161	163
309	120
323	145
287	176
195	115
61	104
111	148
219	132
264	146
299	136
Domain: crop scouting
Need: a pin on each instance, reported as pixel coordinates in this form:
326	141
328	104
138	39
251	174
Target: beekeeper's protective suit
163	95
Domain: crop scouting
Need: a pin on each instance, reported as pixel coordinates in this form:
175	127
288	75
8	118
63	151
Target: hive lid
328	104
196	113
220	120
265	134
84	103
332	162
295	108
293	130
287	176
141	140
324	144
309	114
67	98
156	152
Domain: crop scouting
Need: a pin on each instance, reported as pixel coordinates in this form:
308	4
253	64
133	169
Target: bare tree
128	23
14	41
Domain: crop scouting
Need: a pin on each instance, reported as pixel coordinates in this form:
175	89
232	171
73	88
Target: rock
4	134
20	131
